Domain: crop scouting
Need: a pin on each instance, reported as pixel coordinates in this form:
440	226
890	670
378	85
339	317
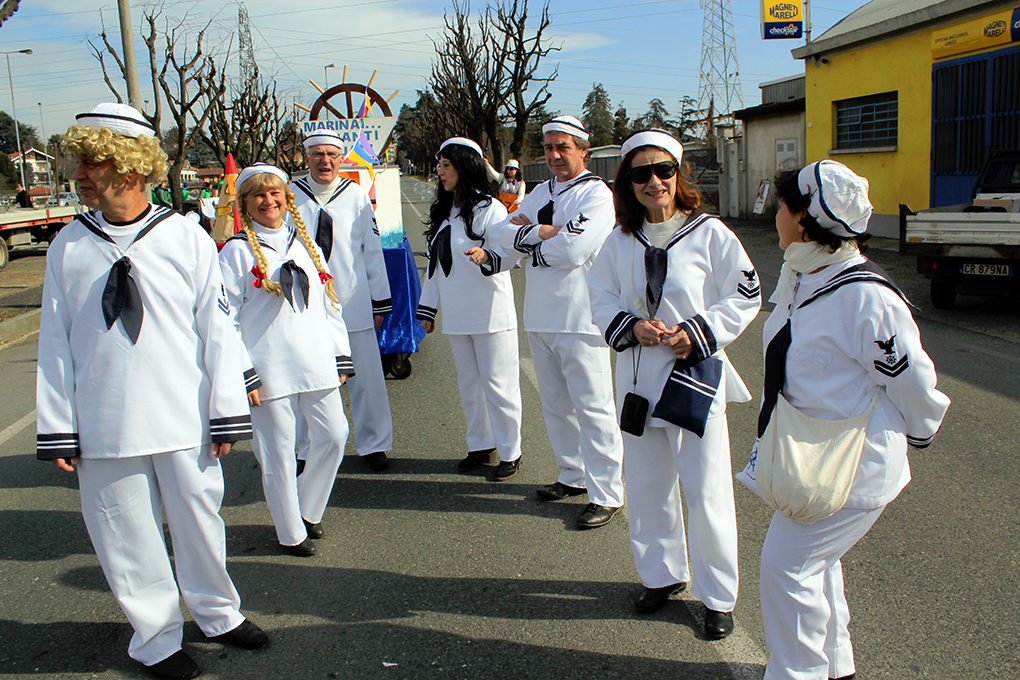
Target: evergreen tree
598	116
656	117
8	140
621	125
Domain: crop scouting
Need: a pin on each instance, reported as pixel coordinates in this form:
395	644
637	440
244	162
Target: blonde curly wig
142	154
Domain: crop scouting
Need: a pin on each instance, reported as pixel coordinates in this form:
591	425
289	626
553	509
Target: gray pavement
426	573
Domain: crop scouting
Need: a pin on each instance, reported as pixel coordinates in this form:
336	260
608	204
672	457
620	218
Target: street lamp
14	108
46	150
325	79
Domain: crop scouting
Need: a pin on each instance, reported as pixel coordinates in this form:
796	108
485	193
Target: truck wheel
4	255
943	292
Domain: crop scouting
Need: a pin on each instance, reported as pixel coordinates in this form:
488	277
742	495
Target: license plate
986	269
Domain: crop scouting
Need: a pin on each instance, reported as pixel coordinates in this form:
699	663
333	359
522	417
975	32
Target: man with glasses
561	226
339	216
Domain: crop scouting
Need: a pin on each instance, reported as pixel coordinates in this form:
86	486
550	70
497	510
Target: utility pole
127	40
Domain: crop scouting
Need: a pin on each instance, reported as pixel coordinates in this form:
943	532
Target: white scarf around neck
805	258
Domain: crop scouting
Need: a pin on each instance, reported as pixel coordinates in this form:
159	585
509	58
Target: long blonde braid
267	284
327	281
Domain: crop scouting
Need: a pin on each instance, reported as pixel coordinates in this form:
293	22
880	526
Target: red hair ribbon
259	276
324	277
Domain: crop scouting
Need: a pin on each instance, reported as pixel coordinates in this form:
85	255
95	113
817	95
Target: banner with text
991	30
782	19
377	130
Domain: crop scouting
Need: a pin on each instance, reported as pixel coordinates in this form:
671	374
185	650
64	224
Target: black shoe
302	549
653	599
507	469
847	677
475	460
314	530
300	466
558	491
595	515
245	636
718	624
177	666
377	462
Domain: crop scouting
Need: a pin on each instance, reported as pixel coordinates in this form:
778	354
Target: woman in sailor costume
670	289
282	301
340	218
469	276
139	386
511	184
840	341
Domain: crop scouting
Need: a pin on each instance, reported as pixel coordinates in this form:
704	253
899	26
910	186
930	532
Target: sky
638	49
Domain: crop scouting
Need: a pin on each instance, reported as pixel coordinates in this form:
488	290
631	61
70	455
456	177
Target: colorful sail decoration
228	221
363	154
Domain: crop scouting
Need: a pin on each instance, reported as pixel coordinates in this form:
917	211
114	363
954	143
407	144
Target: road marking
17	427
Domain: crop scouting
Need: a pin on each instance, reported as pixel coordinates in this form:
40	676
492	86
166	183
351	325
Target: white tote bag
805	466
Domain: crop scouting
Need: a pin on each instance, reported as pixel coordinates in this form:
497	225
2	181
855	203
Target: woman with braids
284	307
469	275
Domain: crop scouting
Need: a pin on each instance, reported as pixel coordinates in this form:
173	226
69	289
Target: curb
23	324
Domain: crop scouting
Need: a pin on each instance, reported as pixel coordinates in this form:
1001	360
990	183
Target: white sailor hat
331	137
839	198
119	119
258	169
512	164
567	124
462	141
653	137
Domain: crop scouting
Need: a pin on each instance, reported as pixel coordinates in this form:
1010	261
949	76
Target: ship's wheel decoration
358	101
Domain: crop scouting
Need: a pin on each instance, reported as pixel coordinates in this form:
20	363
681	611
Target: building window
867	122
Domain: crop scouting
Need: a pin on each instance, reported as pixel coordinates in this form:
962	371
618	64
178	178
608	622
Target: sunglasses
642	173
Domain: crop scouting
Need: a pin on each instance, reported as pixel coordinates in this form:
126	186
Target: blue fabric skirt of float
400	333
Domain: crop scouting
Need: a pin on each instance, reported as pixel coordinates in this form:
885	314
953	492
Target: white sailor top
353	253
710	289
556	297
120	389
293	346
475	299
852	344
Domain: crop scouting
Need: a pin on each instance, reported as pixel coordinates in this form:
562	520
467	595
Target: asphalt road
426	573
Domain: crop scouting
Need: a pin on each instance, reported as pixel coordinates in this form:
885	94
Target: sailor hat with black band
120	119
567	124
839	198
258	169
653	137
513	164
331	137
462	141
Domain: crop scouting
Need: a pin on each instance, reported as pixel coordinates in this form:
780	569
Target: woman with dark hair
477	297
840	345
670	289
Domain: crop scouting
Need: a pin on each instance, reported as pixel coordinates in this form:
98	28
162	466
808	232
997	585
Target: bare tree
482	78
180	76
8	8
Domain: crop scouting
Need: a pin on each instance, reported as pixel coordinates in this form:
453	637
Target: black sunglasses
642	173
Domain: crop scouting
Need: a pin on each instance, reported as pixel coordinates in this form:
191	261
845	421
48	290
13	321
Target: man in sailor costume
561	226
132	296
339	216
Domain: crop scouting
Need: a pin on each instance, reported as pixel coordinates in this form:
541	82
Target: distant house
37	166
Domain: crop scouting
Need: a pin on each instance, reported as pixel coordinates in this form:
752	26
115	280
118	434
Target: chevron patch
895	369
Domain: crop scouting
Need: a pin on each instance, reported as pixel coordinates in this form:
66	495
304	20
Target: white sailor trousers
489	378
575	382
370	405
289	497
656	464
122	501
803	606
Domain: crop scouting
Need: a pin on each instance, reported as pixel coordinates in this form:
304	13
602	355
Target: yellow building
913	95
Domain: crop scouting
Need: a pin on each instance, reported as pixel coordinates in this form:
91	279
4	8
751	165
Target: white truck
26	226
970	249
